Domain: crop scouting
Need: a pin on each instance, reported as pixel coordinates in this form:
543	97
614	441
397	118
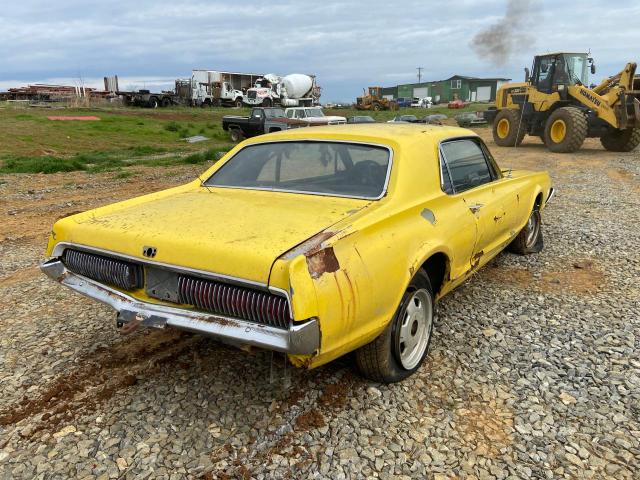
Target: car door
256	122
476	181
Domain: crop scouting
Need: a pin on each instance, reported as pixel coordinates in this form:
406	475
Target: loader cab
554	72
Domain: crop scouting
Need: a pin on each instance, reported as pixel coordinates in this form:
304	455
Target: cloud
348	44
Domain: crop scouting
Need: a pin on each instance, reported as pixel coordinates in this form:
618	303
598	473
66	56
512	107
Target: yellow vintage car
314	242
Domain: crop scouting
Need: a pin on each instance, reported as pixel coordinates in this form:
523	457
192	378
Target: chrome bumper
300	338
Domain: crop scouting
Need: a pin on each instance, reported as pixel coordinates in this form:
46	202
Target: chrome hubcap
415	329
532	228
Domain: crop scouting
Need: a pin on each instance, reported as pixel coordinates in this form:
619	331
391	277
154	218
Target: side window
445	178
466	164
290	113
544	79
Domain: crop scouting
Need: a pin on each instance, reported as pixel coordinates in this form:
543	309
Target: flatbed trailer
146	98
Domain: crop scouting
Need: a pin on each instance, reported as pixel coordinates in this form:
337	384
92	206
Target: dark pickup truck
262	120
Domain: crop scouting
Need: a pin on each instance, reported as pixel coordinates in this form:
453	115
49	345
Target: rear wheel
166	102
402	347
238	102
236	135
565	130
153	102
508	130
376	107
621	140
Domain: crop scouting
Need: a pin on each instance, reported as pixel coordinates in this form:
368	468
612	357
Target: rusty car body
345	247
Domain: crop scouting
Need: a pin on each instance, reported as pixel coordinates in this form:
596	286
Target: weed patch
172	126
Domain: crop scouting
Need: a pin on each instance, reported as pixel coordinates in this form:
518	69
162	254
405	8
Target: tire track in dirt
304	409
98	378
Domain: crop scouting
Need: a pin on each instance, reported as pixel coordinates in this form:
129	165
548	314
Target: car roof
381	133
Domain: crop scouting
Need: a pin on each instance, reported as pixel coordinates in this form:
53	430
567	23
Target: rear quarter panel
377	252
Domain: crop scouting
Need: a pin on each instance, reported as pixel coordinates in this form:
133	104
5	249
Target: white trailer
215	88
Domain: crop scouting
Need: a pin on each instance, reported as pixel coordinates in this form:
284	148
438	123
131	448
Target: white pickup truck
425	102
314	116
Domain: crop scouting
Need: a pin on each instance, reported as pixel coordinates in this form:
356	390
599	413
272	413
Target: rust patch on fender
309	246
321	262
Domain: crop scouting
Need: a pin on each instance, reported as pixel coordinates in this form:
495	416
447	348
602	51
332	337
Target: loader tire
508	130
621	140
565	130
376	107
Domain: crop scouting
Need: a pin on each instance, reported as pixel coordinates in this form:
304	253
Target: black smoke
498	42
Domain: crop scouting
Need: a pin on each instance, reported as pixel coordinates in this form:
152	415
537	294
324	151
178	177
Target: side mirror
593	69
527	74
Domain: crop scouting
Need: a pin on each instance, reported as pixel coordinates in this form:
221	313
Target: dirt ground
67	373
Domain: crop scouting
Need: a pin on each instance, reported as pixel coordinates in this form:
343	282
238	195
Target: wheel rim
533	227
503	128
558	131
414	330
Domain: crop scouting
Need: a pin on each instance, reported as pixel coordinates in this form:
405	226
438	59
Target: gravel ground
534	370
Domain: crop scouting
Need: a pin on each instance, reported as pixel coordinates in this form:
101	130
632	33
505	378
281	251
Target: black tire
376	107
236	135
238	102
153	102
529	239
621	140
266	102
508	130
571	136
166	102
380	360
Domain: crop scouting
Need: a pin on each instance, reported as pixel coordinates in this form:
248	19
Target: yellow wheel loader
555	104
373	100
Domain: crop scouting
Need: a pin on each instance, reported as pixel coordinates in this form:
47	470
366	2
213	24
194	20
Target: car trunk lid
233	232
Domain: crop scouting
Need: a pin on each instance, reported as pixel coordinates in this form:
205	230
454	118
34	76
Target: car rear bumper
299	339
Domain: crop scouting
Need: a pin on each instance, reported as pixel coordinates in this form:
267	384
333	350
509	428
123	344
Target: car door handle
475	208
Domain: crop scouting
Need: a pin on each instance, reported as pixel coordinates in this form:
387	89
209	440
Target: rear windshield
330	168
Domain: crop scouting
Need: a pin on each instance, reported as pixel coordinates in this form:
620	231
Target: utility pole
419	74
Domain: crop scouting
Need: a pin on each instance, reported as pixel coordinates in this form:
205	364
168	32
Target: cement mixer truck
295	90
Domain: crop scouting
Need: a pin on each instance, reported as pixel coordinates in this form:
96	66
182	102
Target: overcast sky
347	44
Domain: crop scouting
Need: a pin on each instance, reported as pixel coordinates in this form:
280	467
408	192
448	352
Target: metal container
297	85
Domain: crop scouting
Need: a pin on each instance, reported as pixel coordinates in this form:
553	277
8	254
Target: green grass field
126	137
